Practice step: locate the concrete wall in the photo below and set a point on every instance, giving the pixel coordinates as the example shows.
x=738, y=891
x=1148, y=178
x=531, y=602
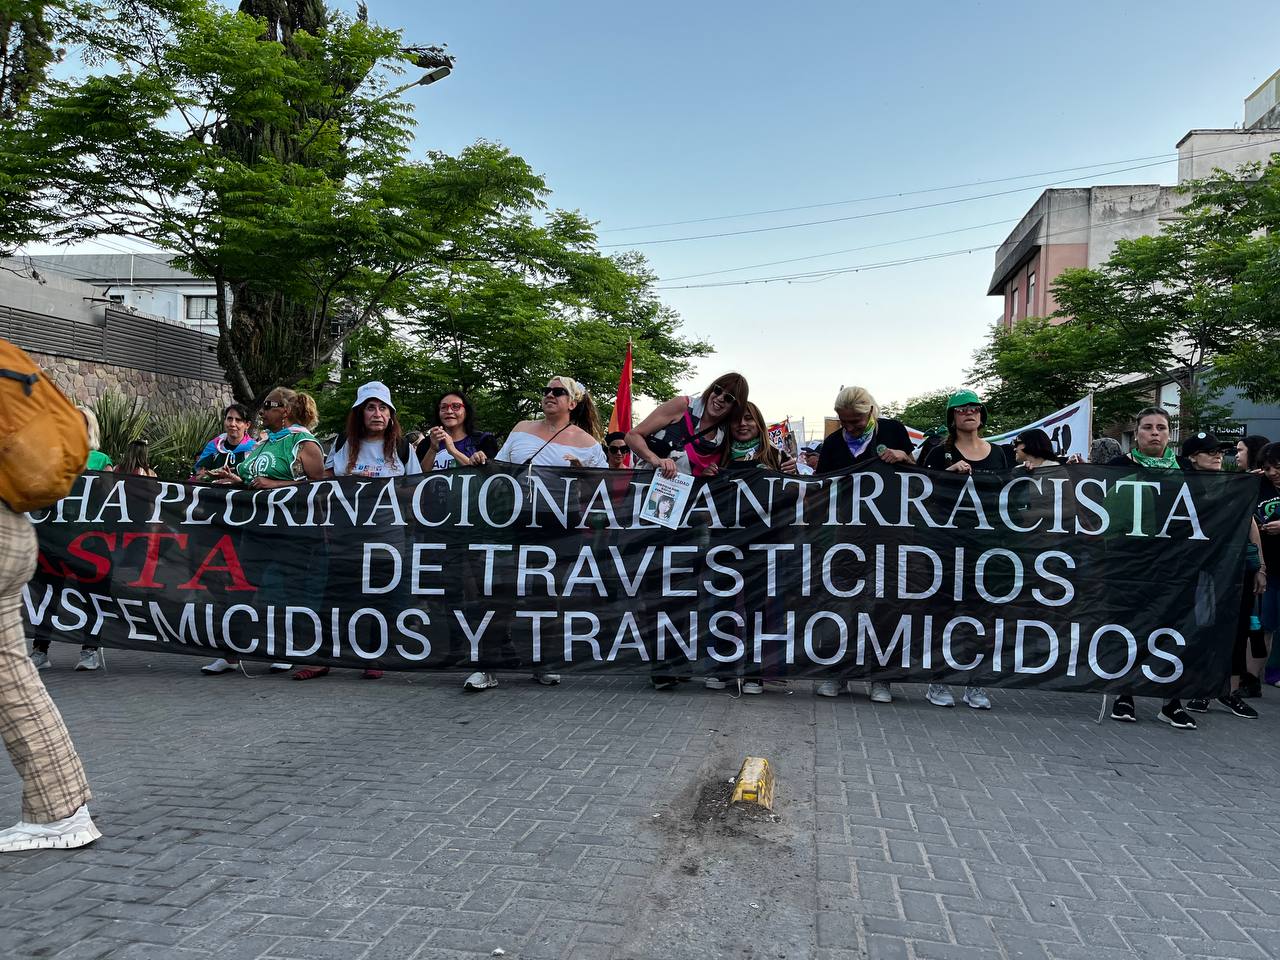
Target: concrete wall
x=1201, y=151
x=1127, y=212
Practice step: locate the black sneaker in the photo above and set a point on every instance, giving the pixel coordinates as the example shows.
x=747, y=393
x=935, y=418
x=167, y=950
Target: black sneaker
x=1250, y=686
x=1198, y=706
x=663, y=683
x=1235, y=703
x=1173, y=714
x=1123, y=710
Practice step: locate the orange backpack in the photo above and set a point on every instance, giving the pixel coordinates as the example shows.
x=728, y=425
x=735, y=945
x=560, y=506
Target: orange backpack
x=43, y=440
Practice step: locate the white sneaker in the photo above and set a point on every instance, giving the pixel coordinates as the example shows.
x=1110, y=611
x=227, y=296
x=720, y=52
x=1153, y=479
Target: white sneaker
x=480, y=681
x=752, y=687
x=547, y=679
x=977, y=698
x=76, y=830
x=827, y=688
x=89, y=660
x=218, y=666
x=40, y=659
x=879, y=692
x=940, y=695
x=281, y=667
x=714, y=683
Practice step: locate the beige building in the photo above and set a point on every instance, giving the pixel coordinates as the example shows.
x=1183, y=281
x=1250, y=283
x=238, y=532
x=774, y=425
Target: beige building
x=1079, y=227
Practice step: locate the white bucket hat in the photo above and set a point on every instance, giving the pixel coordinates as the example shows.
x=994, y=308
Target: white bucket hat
x=373, y=390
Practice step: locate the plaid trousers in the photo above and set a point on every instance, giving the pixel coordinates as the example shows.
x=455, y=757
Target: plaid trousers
x=53, y=781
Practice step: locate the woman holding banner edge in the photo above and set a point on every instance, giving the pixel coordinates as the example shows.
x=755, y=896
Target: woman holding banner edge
x=568, y=435
x=690, y=434
x=1203, y=452
x=290, y=454
x=863, y=436
x=750, y=449
x=1152, y=451
x=965, y=451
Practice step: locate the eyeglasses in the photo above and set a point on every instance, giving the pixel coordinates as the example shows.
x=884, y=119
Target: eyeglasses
x=969, y=408
x=446, y=407
x=618, y=450
x=272, y=404
x=719, y=391
x=555, y=392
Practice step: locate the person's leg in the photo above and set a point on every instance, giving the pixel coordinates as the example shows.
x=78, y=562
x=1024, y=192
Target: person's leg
x=53, y=781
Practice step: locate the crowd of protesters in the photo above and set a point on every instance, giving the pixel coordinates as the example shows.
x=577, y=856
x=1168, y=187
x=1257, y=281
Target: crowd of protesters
x=703, y=435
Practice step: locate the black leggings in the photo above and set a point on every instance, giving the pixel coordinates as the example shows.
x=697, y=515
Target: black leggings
x=1240, y=649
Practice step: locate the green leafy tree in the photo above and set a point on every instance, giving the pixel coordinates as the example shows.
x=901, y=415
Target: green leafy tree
x=923, y=412
x=34, y=36
x=1040, y=366
x=500, y=328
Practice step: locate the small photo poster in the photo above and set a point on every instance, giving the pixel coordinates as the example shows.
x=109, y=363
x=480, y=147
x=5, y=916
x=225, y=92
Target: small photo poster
x=666, y=500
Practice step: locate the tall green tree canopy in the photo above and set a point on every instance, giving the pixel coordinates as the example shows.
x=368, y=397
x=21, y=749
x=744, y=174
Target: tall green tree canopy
x=269, y=148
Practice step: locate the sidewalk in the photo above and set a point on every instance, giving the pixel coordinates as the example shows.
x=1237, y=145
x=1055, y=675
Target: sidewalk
x=401, y=818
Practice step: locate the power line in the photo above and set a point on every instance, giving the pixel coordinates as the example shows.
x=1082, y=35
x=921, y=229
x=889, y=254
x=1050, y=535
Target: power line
x=920, y=206
x=815, y=276
x=889, y=243
x=893, y=196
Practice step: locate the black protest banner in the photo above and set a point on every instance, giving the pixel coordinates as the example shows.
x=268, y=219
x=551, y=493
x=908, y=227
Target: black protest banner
x=1079, y=578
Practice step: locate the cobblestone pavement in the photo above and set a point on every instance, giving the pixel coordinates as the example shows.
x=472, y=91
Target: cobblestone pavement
x=401, y=818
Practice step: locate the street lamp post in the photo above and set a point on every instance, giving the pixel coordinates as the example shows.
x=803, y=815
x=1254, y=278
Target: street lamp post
x=430, y=77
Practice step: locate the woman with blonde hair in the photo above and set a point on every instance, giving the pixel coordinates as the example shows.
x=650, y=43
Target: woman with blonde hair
x=864, y=437
x=567, y=435
x=97, y=459
x=864, y=434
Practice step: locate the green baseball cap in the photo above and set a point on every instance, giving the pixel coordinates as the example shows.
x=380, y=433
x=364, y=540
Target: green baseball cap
x=962, y=398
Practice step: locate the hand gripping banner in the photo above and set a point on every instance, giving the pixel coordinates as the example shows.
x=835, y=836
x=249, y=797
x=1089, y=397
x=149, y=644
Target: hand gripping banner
x=1078, y=578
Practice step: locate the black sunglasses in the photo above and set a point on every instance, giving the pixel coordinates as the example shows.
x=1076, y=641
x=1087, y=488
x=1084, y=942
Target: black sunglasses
x=618, y=450
x=722, y=392
x=555, y=392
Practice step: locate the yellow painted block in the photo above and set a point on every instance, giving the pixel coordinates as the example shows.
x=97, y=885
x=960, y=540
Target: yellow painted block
x=754, y=783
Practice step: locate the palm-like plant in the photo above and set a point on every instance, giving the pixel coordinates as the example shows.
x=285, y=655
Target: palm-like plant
x=121, y=420
x=177, y=437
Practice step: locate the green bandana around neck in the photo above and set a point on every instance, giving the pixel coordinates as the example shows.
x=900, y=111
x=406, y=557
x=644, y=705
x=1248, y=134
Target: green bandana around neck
x=747, y=449
x=1166, y=462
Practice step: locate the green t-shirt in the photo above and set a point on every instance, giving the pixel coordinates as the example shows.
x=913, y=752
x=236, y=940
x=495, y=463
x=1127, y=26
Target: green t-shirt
x=97, y=461
x=276, y=458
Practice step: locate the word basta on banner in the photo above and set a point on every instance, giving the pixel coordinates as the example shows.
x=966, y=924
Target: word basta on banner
x=1072, y=578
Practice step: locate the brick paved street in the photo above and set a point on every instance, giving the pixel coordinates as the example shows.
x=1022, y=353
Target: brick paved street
x=397, y=819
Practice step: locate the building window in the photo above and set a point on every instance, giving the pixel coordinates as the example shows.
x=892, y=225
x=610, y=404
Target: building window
x=202, y=308
x=116, y=297
x=1031, y=293
x=1013, y=306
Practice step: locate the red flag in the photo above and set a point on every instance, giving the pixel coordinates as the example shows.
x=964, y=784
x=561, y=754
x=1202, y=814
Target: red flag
x=620, y=419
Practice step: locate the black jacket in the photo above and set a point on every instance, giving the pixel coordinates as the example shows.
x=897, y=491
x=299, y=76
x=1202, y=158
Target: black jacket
x=835, y=454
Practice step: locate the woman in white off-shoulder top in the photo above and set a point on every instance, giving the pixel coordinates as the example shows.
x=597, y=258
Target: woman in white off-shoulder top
x=568, y=435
